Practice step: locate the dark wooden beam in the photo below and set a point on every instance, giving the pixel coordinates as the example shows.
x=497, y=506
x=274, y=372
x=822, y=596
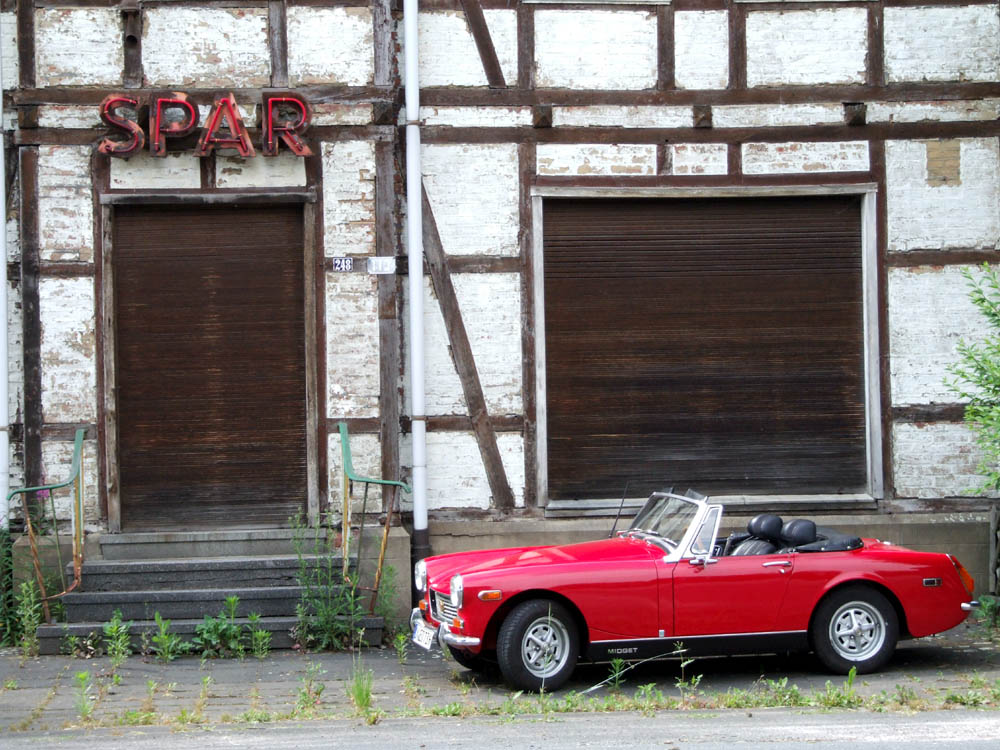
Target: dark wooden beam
x=484, y=43
x=665, y=47
x=277, y=42
x=737, y=47
x=963, y=257
x=529, y=406
x=875, y=61
x=465, y=363
x=26, y=43
x=525, y=48
x=929, y=413
x=31, y=318
x=384, y=41
x=877, y=160
x=390, y=349
x=463, y=423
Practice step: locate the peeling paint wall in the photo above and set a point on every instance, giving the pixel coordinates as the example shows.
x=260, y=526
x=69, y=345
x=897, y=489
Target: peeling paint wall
x=929, y=312
x=926, y=216
x=800, y=47
x=699, y=158
x=68, y=350
x=573, y=49
x=942, y=44
x=352, y=351
x=349, y=198
x=142, y=171
x=283, y=170
x=701, y=51
x=934, y=460
x=626, y=117
x=65, y=203
x=448, y=55
x=366, y=458
x=474, y=192
x=78, y=47
x=582, y=160
x=315, y=55
x=205, y=47
x=783, y=158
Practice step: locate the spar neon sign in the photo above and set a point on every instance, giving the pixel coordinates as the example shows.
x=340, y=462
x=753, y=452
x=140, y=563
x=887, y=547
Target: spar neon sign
x=284, y=119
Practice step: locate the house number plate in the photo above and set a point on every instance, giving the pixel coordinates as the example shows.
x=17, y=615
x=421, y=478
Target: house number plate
x=342, y=264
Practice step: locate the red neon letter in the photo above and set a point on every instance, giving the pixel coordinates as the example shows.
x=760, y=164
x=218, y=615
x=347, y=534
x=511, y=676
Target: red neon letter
x=285, y=131
x=160, y=129
x=225, y=113
x=137, y=138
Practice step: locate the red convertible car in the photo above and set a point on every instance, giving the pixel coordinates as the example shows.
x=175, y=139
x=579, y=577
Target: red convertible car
x=669, y=579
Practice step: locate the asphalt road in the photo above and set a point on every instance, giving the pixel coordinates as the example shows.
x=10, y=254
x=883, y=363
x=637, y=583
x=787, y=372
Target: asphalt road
x=697, y=730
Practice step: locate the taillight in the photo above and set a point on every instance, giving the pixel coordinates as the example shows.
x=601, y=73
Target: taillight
x=967, y=580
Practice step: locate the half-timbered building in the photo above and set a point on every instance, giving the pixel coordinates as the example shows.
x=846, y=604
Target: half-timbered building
x=707, y=243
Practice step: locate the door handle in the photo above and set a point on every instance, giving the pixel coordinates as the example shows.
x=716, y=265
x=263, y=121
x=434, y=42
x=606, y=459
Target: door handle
x=778, y=563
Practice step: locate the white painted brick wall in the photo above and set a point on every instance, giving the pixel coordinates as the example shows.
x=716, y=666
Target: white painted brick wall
x=8, y=49
x=587, y=160
x=777, y=115
x=475, y=117
x=15, y=340
x=283, y=170
x=698, y=158
x=142, y=171
x=65, y=203
x=352, y=345
x=806, y=47
x=68, y=361
x=491, y=310
x=335, y=113
x=783, y=158
x=934, y=460
x=935, y=111
x=625, y=117
x=78, y=47
x=448, y=53
x=456, y=477
x=330, y=46
x=205, y=47
x=929, y=312
x=595, y=49
x=922, y=216
x=366, y=457
x=701, y=49
x=68, y=116
x=943, y=44
x=474, y=190
x=348, y=198
x=57, y=460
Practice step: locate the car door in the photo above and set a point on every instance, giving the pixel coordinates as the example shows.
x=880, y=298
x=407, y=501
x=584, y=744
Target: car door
x=729, y=595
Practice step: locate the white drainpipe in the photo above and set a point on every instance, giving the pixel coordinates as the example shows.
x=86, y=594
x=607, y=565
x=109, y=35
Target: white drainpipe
x=420, y=542
x=4, y=374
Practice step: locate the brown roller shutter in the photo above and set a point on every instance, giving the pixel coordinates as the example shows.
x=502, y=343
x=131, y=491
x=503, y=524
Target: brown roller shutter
x=714, y=343
x=210, y=365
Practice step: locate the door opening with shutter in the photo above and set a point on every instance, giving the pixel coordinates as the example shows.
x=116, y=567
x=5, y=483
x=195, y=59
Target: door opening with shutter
x=209, y=339
x=717, y=343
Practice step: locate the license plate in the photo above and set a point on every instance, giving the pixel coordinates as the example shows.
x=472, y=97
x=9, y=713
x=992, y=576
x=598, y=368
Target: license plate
x=423, y=635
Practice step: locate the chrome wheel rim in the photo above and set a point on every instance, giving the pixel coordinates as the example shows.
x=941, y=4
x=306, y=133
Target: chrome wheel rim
x=545, y=647
x=857, y=631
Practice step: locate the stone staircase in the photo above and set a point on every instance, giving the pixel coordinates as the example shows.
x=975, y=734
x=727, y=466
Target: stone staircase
x=185, y=589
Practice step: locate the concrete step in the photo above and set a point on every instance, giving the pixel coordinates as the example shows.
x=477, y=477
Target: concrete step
x=99, y=606
x=53, y=638
x=158, y=545
x=197, y=573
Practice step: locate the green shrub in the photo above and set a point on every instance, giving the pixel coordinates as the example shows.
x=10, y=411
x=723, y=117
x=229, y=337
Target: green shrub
x=220, y=636
x=977, y=375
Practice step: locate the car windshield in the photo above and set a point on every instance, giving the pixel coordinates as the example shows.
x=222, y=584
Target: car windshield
x=664, y=516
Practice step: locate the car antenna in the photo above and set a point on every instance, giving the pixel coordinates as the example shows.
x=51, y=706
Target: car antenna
x=622, y=505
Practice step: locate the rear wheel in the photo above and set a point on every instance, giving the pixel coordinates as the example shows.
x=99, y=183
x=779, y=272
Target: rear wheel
x=538, y=646
x=855, y=627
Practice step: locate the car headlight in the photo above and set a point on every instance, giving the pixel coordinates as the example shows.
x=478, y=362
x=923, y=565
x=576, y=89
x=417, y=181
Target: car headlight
x=420, y=576
x=457, y=591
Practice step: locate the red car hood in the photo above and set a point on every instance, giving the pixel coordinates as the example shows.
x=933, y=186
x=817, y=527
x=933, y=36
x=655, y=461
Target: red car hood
x=441, y=568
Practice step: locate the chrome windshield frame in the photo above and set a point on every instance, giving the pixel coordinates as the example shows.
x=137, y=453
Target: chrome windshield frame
x=682, y=550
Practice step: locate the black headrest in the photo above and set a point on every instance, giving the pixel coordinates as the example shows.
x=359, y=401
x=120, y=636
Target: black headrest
x=798, y=531
x=765, y=526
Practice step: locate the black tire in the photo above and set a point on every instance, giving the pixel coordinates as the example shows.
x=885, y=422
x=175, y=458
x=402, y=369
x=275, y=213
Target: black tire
x=854, y=627
x=538, y=646
x=474, y=662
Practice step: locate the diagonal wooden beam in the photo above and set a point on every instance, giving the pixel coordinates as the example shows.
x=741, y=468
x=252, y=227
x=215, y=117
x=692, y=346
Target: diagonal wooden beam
x=465, y=363
x=484, y=43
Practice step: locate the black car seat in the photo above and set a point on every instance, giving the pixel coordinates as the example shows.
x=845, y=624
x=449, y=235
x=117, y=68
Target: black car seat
x=798, y=532
x=765, y=536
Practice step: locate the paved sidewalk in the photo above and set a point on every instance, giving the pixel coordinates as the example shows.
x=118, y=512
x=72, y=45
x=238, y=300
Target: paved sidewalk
x=43, y=694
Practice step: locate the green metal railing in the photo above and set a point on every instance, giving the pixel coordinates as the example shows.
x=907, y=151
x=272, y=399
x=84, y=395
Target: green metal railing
x=351, y=476
x=76, y=480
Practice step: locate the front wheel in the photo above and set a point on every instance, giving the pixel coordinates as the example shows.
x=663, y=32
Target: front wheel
x=538, y=645
x=855, y=627
x=474, y=662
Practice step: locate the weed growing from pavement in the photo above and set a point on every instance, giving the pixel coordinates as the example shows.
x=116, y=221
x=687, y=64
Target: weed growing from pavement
x=401, y=642
x=84, y=700
x=260, y=639
x=307, y=700
x=167, y=646
x=29, y=617
x=117, y=640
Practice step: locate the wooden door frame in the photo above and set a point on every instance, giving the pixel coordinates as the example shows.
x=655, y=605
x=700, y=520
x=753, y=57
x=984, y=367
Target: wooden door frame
x=871, y=321
x=106, y=357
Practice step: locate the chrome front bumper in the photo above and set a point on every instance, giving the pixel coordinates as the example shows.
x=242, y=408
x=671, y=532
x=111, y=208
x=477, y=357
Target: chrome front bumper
x=445, y=636
x=970, y=606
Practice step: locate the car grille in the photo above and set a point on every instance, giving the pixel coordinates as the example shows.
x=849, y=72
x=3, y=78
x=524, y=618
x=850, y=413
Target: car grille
x=441, y=607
